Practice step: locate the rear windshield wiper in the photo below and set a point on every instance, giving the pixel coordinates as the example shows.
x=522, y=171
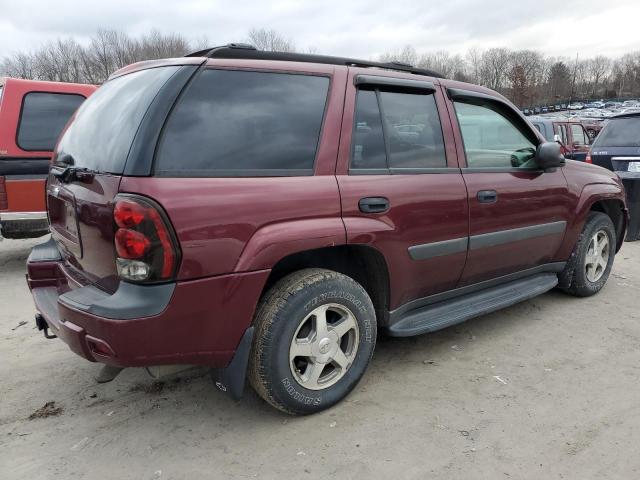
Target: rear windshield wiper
x=69, y=174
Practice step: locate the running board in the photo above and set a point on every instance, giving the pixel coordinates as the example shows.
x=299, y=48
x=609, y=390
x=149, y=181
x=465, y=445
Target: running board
x=457, y=310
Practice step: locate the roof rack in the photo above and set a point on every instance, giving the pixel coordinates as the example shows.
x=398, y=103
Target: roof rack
x=245, y=51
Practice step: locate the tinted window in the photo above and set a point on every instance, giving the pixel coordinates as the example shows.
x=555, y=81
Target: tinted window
x=413, y=130
x=620, y=132
x=492, y=140
x=43, y=117
x=245, y=123
x=368, y=149
x=104, y=127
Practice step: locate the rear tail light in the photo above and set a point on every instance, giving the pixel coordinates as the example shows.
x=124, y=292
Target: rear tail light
x=144, y=241
x=587, y=159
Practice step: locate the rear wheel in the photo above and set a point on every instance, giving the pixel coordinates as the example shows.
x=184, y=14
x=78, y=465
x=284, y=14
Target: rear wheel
x=592, y=258
x=315, y=335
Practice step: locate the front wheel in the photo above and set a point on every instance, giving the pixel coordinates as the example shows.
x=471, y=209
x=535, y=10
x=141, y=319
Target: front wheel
x=592, y=258
x=315, y=335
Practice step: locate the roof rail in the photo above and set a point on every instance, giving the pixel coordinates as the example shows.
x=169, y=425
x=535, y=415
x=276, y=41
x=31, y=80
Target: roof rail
x=249, y=52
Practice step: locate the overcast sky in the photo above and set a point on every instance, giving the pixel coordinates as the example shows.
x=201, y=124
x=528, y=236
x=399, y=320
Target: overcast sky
x=363, y=28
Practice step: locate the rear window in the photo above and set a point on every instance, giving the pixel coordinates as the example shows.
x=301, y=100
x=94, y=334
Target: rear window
x=244, y=123
x=620, y=132
x=100, y=136
x=42, y=118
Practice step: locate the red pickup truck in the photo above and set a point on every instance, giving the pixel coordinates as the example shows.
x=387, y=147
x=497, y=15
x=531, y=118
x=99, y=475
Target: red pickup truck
x=32, y=116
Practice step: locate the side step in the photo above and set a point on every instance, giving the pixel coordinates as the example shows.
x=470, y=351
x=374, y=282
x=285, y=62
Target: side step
x=457, y=310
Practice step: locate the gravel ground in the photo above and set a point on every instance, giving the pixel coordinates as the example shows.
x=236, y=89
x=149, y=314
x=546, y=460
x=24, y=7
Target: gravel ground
x=546, y=389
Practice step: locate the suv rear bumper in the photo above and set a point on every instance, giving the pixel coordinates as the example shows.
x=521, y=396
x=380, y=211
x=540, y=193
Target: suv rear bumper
x=23, y=224
x=198, y=322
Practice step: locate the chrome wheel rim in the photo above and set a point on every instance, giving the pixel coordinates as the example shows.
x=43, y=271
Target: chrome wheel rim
x=597, y=256
x=324, y=346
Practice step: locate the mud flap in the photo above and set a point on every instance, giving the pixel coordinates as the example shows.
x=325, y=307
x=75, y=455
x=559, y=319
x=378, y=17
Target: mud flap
x=232, y=378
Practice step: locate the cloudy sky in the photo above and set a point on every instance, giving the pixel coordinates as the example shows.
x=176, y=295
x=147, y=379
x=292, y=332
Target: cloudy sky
x=363, y=28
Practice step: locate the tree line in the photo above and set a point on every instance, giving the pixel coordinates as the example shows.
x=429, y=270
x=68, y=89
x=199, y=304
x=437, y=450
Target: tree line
x=527, y=77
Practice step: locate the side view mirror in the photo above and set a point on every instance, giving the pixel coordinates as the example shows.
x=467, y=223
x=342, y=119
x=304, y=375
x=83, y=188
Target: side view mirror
x=549, y=156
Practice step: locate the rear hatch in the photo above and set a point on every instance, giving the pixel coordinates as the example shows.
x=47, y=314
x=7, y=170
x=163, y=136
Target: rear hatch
x=88, y=164
x=617, y=147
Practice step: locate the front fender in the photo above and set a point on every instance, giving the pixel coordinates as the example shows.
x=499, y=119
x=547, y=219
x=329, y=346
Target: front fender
x=590, y=194
x=273, y=242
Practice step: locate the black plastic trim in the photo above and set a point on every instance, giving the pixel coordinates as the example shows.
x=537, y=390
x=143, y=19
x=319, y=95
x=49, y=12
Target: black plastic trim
x=24, y=166
x=45, y=252
x=141, y=154
x=128, y=302
x=275, y=172
x=453, y=311
x=403, y=171
x=392, y=82
x=232, y=378
x=537, y=171
x=438, y=249
x=248, y=52
x=501, y=237
x=394, y=315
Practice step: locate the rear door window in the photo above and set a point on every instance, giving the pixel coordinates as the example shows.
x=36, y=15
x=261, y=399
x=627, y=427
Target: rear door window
x=42, y=118
x=579, y=135
x=397, y=132
x=244, y=123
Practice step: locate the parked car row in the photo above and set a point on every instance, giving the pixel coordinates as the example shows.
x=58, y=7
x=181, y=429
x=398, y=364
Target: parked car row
x=570, y=134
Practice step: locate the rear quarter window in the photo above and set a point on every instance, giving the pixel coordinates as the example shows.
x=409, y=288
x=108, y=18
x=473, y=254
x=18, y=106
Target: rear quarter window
x=43, y=117
x=244, y=123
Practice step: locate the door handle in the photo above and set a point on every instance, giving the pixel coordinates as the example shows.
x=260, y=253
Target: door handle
x=487, y=196
x=373, y=204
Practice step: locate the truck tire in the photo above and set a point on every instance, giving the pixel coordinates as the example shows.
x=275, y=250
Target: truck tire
x=315, y=335
x=590, y=263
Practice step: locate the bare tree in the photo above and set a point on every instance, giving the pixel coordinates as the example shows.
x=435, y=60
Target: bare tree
x=407, y=55
x=270, y=40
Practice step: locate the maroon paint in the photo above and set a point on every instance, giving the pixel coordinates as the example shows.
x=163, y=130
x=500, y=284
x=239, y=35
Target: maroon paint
x=86, y=235
x=232, y=232
x=424, y=208
x=202, y=324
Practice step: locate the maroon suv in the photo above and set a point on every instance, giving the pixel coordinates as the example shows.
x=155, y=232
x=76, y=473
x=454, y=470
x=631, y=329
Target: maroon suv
x=268, y=214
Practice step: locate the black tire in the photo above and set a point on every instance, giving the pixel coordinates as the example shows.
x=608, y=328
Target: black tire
x=278, y=319
x=573, y=280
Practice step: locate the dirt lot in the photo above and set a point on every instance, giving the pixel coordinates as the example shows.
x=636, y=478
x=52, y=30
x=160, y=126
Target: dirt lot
x=546, y=389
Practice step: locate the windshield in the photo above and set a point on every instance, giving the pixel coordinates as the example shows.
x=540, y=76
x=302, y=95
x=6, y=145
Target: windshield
x=101, y=134
x=620, y=132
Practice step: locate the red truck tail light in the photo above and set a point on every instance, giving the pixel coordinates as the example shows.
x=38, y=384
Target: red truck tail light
x=587, y=159
x=144, y=241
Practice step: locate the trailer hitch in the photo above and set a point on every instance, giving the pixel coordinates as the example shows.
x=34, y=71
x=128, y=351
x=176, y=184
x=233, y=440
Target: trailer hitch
x=41, y=323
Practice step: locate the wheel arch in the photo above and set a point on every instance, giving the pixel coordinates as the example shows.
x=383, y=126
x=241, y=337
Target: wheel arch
x=616, y=211
x=365, y=264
